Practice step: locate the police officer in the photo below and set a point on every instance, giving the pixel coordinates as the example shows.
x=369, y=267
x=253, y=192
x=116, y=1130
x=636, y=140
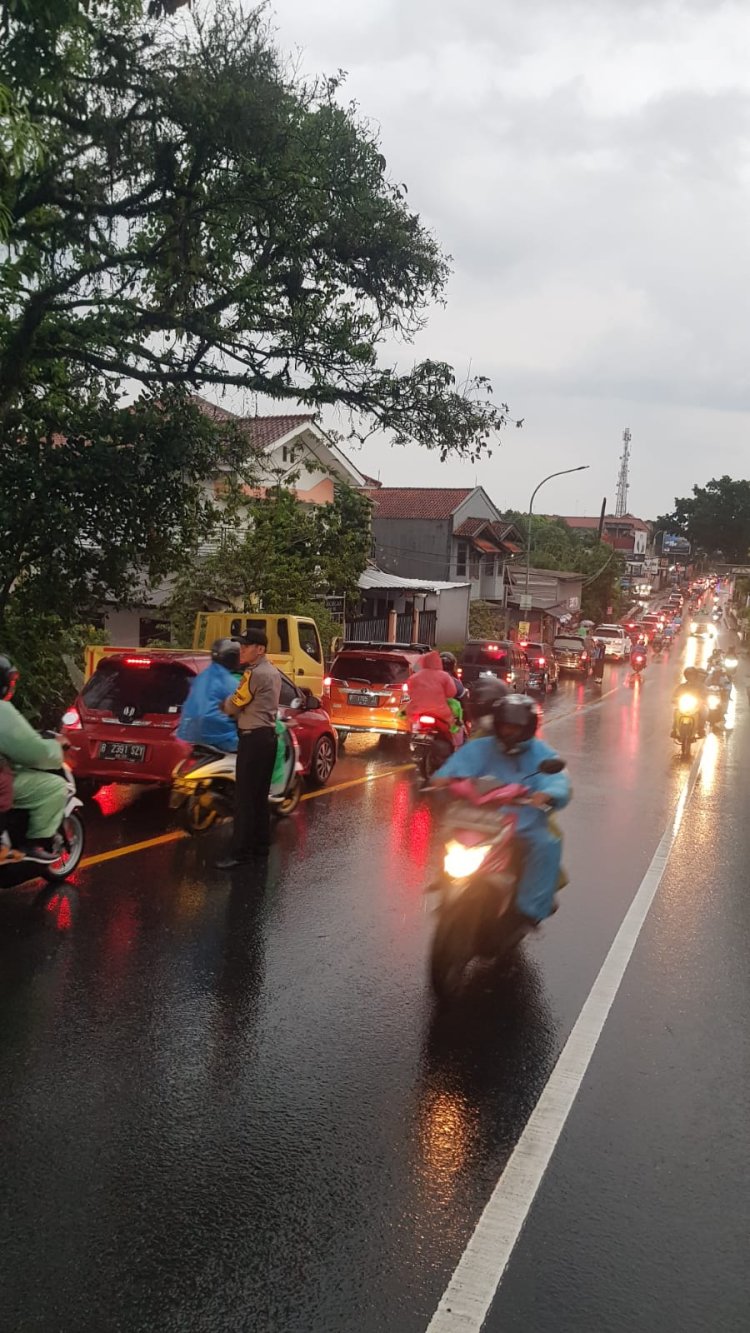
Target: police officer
x=253, y=704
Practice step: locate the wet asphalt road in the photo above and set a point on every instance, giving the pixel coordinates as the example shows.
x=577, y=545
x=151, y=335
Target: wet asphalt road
x=230, y=1105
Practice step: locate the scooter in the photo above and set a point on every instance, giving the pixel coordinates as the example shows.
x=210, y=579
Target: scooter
x=474, y=898
x=203, y=784
x=431, y=744
x=68, y=843
x=687, y=721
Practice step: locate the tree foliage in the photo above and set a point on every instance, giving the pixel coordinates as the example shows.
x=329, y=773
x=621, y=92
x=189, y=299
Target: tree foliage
x=556, y=546
x=201, y=215
x=281, y=556
x=715, y=519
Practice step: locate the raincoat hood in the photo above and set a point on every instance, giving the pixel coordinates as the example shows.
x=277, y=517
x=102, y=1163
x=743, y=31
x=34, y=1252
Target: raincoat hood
x=431, y=662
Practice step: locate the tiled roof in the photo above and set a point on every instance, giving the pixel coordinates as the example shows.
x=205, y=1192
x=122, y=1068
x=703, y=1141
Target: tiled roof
x=263, y=431
x=417, y=501
x=470, y=526
x=626, y=520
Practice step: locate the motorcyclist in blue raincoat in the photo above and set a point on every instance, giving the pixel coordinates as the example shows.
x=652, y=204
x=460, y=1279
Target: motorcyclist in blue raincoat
x=514, y=754
x=203, y=722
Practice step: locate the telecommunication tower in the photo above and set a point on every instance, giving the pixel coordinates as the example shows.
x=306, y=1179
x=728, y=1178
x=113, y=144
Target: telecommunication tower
x=623, y=476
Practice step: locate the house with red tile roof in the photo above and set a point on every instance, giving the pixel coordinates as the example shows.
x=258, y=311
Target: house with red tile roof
x=288, y=449
x=451, y=534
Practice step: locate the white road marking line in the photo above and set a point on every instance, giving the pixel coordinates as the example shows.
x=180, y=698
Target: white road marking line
x=471, y=1290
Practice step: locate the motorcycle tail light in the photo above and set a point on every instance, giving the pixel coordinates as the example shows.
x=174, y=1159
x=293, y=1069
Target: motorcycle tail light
x=462, y=862
x=427, y=721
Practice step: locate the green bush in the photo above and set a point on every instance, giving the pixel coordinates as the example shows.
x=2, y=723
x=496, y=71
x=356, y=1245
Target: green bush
x=38, y=645
x=486, y=621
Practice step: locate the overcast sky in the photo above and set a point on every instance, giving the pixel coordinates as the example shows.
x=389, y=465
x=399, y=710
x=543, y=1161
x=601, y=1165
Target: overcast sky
x=587, y=165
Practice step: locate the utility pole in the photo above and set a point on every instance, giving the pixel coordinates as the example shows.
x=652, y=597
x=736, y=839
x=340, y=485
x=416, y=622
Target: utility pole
x=623, y=477
x=601, y=519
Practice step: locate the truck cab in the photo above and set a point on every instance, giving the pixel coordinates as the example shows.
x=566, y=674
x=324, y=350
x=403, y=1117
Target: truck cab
x=293, y=641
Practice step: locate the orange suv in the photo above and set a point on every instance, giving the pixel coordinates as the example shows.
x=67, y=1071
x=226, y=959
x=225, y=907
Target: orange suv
x=366, y=687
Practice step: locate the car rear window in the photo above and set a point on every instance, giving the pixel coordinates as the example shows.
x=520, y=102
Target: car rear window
x=606, y=633
x=375, y=670
x=478, y=654
x=535, y=649
x=160, y=687
x=572, y=642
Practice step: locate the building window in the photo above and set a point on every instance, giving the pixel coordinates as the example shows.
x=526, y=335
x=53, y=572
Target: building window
x=287, y=453
x=461, y=560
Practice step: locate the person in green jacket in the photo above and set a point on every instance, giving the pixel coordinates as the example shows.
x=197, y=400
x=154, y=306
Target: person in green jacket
x=38, y=790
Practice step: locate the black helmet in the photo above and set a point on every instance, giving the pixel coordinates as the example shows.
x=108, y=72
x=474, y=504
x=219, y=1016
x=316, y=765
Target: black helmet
x=450, y=663
x=516, y=720
x=227, y=653
x=8, y=677
x=485, y=695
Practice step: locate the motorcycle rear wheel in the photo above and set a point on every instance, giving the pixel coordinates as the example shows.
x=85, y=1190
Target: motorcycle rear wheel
x=290, y=802
x=201, y=812
x=74, y=837
x=686, y=745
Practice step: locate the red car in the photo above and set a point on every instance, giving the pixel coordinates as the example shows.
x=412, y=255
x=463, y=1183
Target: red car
x=122, y=726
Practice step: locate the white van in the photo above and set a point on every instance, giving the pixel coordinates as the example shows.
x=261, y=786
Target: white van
x=617, y=645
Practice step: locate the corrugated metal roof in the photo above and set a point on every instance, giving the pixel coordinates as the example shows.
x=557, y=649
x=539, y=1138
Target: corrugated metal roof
x=378, y=578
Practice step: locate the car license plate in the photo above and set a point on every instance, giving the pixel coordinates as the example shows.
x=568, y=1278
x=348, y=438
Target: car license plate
x=364, y=700
x=122, y=750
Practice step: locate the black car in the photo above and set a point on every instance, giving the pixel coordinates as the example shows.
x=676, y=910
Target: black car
x=543, y=670
x=495, y=657
x=574, y=655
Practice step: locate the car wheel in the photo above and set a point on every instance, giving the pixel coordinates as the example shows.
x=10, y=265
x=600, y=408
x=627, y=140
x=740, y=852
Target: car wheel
x=323, y=760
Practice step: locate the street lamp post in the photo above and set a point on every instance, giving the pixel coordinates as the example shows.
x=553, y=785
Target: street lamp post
x=583, y=468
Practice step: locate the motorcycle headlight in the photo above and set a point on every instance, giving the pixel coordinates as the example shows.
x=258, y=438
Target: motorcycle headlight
x=731, y=663
x=688, y=703
x=714, y=700
x=462, y=862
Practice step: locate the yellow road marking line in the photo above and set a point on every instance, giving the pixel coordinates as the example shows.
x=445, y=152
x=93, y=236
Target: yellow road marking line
x=177, y=835
x=356, y=782
x=131, y=847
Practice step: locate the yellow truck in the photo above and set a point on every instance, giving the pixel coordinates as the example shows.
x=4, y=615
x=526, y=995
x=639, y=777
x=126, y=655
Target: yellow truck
x=293, y=643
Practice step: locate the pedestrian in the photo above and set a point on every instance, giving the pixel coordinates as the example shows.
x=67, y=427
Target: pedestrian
x=254, y=705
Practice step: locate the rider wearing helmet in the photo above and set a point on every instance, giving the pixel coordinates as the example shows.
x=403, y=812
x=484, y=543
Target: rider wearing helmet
x=203, y=721
x=37, y=788
x=485, y=693
x=513, y=755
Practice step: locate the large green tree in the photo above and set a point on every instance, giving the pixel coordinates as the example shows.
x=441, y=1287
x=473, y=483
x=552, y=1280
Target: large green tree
x=715, y=519
x=201, y=215
x=556, y=546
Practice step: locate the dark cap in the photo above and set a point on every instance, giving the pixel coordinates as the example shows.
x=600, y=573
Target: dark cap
x=258, y=636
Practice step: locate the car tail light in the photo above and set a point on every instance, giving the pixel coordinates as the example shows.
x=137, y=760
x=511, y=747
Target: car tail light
x=584, y=656
x=138, y=661
x=72, y=719
x=459, y=672
x=542, y=661
x=327, y=684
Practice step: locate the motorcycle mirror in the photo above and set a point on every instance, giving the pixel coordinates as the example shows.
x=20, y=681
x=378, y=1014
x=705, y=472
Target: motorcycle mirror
x=552, y=766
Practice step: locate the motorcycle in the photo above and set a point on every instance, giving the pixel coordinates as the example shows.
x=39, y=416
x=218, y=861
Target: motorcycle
x=474, y=898
x=68, y=843
x=203, y=785
x=717, y=707
x=638, y=663
x=431, y=744
x=688, y=713
x=731, y=662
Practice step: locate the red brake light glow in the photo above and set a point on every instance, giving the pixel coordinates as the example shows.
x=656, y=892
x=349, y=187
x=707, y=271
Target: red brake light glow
x=542, y=661
x=72, y=719
x=584, y=656
x=327, y=684
x=426, y=720
x=138, y=661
